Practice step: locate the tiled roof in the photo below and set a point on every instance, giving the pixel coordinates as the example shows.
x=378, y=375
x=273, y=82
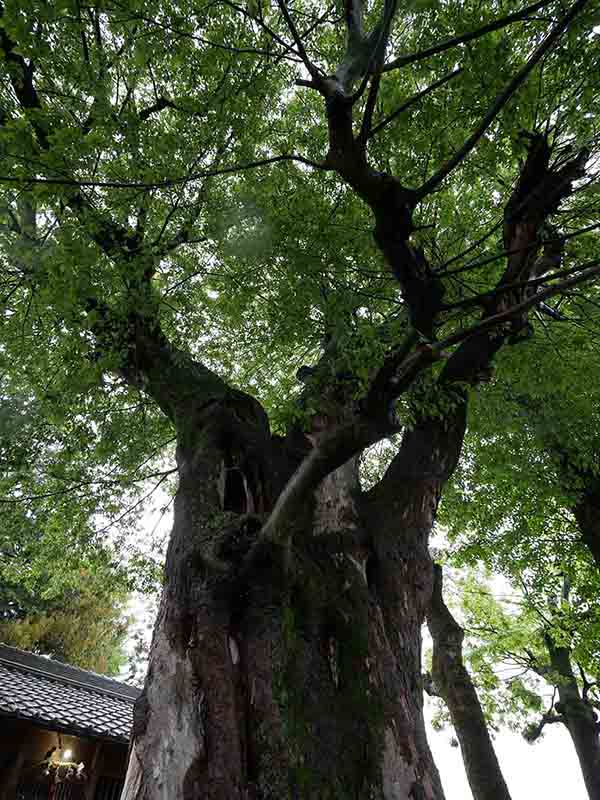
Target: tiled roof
x=61, y=697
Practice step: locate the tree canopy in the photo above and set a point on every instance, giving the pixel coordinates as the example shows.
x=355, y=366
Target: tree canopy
x=133, y=143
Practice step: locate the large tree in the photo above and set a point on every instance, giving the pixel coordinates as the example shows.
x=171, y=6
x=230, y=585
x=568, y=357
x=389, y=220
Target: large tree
x=281, y=234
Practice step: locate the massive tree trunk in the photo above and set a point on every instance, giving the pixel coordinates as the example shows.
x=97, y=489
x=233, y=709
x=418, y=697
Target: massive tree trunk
x=286, y=661
x=452, y=682
x=297, y=676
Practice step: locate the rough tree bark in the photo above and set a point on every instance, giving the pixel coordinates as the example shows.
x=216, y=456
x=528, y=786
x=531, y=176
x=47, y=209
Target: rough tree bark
x=297, y=673
x=577, y=715
x=452, y=682
x=296, y=676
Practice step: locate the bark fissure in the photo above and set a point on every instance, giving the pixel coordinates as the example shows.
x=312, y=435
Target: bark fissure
x=291, y=679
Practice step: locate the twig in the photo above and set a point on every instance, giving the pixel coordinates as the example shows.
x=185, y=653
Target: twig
x=312, y=69
x=412, y=100
x=403, y=61
x=500, y=101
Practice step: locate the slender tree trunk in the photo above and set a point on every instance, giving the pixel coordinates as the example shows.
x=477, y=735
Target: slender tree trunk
x=578, y=716
x=453, y=684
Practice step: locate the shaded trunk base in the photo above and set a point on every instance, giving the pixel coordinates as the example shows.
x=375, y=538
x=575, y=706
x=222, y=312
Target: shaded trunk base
x=288, y=692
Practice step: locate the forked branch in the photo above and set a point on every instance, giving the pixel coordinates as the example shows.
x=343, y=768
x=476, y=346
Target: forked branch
x=313, y=70
x=365, y=53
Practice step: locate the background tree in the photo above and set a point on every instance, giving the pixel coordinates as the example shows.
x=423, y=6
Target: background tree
x=89, y=632
x=522, y=502
x=159, y=284
x=534, y=659
x=450, y=680
x=529, y=514
x=66, y=577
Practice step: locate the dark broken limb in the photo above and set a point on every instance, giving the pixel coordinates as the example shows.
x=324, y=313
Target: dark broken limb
x=533, y=732
x=453, y=684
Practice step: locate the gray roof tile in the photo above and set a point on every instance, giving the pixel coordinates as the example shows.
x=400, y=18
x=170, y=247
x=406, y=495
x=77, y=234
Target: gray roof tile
x=62, y=697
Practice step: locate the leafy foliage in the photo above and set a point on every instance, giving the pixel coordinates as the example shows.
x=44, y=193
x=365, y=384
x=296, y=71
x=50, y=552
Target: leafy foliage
x=506, y=650
x=89, y=631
